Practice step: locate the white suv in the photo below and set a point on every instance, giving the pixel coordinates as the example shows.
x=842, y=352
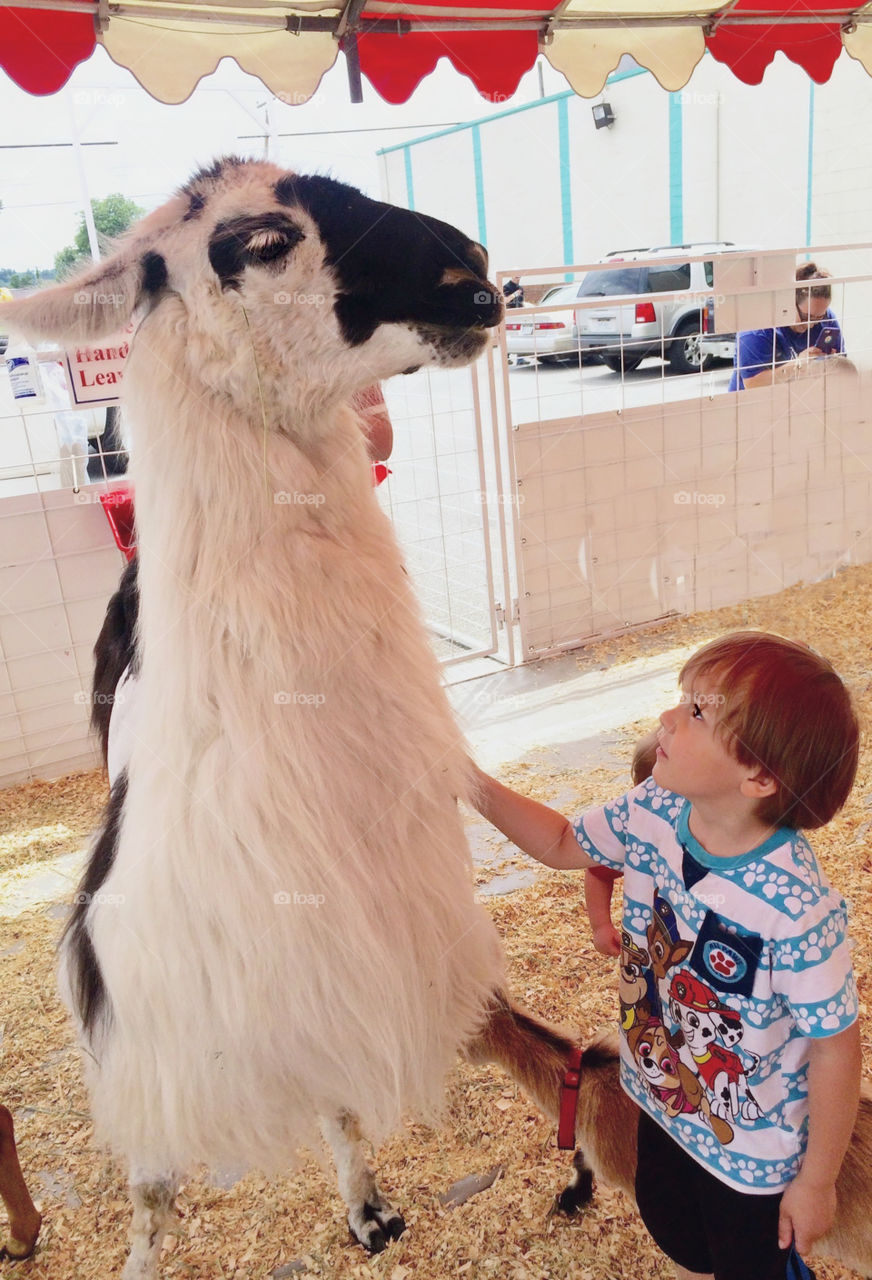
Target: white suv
x=668, y=327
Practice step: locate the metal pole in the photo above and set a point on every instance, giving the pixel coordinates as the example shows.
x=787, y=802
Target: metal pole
x=83, y=177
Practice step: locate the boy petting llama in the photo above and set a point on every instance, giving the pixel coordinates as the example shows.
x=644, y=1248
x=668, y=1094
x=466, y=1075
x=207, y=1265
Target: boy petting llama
x=742, y=982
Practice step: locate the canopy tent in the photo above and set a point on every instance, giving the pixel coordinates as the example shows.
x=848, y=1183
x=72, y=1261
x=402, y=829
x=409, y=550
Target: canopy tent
x=169, y=45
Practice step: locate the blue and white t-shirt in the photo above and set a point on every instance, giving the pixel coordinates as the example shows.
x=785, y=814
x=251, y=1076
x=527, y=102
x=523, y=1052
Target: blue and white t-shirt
x=759, y=349
x=729, y=966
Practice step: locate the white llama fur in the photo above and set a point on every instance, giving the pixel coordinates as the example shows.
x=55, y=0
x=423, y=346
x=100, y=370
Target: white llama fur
x=236, y=1018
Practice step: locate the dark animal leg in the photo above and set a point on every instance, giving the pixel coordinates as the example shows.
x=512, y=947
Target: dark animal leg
x=24, y=1219
x=579, y=1190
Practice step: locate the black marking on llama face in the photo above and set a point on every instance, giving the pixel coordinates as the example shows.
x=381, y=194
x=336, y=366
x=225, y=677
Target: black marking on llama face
x=263, y=239
x=86, y=977
x=196, y=206
x=390, y=263
x=154, y=272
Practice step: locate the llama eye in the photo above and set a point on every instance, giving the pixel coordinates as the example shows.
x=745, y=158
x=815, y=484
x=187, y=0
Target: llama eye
x=255, y=241
x=269, y=244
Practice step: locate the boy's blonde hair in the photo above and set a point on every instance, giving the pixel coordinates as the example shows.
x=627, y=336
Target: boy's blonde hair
x=786, y=710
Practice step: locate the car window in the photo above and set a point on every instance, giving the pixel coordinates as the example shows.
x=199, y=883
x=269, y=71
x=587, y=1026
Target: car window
x=709, y=273
x=617, y=280
x=669, y=279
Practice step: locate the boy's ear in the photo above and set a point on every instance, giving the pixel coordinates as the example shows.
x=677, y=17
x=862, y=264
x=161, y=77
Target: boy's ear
x=94, y=304
x=758, y=785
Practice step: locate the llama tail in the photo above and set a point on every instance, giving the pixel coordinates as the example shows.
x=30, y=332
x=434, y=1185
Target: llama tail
x=535, y=1054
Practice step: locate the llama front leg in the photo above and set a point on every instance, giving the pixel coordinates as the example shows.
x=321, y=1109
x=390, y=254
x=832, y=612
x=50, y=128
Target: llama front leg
x=373, y=1221
x=152, y=1196
x=579, y=1190
x=24, y=1218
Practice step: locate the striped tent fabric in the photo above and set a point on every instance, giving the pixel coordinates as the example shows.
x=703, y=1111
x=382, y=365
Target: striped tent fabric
x=169, y=45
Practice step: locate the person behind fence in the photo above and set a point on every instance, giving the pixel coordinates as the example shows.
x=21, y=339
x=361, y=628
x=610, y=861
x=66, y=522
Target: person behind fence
x=764, y=356
x=739, y=1035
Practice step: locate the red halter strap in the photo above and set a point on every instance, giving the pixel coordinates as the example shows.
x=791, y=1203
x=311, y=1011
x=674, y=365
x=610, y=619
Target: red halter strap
x=569, y=1102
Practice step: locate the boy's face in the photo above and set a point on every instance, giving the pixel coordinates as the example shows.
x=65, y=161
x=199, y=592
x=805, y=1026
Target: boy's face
x=692, y=758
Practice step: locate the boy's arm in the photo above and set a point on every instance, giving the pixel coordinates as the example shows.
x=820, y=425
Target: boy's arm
x=809, y=1203
x=541, y=832
x=598, y=885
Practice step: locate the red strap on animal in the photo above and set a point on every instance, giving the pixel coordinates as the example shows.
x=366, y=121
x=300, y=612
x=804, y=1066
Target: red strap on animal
x=569, y=1102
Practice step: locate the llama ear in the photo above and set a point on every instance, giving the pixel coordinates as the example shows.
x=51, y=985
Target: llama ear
x=98, y=302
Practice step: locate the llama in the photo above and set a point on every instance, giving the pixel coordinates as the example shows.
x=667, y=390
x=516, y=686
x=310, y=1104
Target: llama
x=276, y=932
x=607, y=1118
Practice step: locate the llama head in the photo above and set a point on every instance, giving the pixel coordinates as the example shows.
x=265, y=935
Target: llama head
x=304, y=276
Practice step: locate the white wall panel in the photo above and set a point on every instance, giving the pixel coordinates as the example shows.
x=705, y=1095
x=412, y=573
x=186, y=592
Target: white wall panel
x=521, y=167
x=443, y=180
x=681, y=508
x=60, y=565
x=620, y=175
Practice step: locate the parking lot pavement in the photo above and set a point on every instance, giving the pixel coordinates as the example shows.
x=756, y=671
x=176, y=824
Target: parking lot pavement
x=540, y=392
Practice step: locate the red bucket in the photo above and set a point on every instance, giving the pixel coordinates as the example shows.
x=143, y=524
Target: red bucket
x=118, y=506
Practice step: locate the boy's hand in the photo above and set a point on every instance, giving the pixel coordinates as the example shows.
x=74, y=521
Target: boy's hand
x=606, y=940
x=807, y=1213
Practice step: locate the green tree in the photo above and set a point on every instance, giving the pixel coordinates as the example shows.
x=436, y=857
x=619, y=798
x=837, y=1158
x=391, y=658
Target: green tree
x=22, y=280
x=112, y=215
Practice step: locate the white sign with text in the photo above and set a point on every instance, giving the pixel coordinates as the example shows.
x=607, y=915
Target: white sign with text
x=94, y=371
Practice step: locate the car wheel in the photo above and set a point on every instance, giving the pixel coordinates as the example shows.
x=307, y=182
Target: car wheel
x=626, y=363
x=685, y=350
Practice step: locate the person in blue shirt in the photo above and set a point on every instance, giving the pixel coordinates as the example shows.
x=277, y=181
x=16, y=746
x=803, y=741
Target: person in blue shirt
x=764, y=356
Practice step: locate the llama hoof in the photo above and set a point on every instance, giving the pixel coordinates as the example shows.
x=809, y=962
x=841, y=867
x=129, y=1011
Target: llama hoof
x=579, y=1190
x=17, y=1248
x=374, y=1228
x=568, y=1202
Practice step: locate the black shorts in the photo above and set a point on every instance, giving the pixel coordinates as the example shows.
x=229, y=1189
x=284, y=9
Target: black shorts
x=698, y=1221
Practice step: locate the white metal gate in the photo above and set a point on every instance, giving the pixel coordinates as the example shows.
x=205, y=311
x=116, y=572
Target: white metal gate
x=444, y=496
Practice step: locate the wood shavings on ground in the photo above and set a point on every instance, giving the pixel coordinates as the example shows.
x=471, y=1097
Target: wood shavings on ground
x=296, y=1225
x=41, y=820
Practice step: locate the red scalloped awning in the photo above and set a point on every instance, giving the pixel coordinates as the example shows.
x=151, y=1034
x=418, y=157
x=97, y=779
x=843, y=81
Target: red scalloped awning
x=169, y=45
x=493, y=60
x=40, y=48
x=748, y=50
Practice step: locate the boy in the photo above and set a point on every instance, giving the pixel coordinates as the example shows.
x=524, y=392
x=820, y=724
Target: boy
x=740, y=951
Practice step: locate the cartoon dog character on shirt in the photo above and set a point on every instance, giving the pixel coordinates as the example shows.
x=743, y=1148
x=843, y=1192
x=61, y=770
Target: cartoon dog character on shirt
x=699, y=1013
x=636, y=989
x=672, y=1085
x=666, y=948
